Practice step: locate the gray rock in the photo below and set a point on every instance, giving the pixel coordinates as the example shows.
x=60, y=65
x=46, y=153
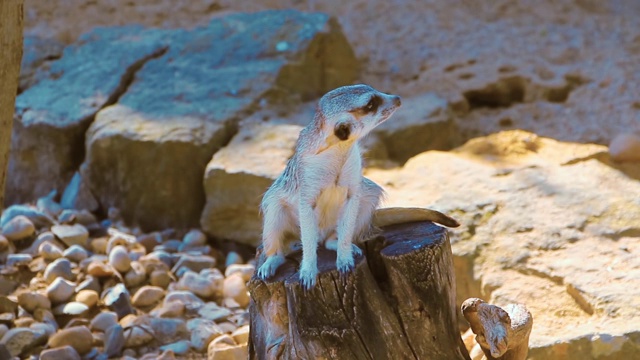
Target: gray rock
x=78, y=196
x=147, y=296
x=18, y=228
x=316, y=58
x=65, y=352
x=114, y=340
x=194, y=263
x=36, y=216
x=52, y=116
x=207, y=287
x=203, y=331
x=60, y=290
x=185, y=297
x=76, y=253
x=234, y=183
x=168, y=330
x=118, y=300
x=179, y=348
x=103, y=321
x=71, y=234
x=194, y=237
x=18, y=340
x=90, y=283
x=45, y=236
x=58, y=268
x=136, y=336
x=119, y=259
x=214, y=312
x=48, y=205
x=14, y=260
x=38, y=53
x=49, y=251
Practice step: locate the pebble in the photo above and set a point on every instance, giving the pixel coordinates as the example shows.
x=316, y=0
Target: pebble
x=15, y=260
x=4, y=243
x=160, y=278
x=89, y=283
x=224, y=348
x=203, y=331
x=42, y=237
x=100, y=269
x=246, y=270
x=138, y=335
x=50, y=251
x=147, y=296
x=179, y=348
x=194, y=263
x=171, y=309
x=18, y=228
x=44, y=328
x=88, y=297
x=119, y=259
x=99, y=245
x=103, y=321
x=241, y=335
x=74, y=308
x=184, y=297
x=20, y=339
x=136, y=276
x=71, y=234
x=36, y=216
x=233, y=258
x=117, y=299
x=60, y=290
x=149, y=241
x=625, y=147
x=235, y=288
x=76, y=253
x=204, y=286
x=47, y=205
x=114, y=340
x=30, y=301
x=59, y=268
x=214, y=312
x=78, y=337
x=65, y=352
x=194, y=237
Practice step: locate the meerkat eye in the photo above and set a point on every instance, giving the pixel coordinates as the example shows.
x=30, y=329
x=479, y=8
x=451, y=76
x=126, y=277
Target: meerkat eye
x=373, y=104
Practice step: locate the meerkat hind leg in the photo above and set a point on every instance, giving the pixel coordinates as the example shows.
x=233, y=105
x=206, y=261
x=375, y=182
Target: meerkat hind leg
x=332, y=244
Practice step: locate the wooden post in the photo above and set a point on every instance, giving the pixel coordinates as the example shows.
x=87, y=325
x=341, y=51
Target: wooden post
x=398, y=303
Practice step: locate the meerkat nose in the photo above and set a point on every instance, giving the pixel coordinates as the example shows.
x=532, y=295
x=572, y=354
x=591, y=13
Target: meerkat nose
x=397, y=101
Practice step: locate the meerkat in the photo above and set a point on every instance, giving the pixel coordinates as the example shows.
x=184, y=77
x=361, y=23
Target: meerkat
x=322, y=196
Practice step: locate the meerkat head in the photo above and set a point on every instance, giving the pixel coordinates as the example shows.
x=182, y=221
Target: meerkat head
x=350, y=112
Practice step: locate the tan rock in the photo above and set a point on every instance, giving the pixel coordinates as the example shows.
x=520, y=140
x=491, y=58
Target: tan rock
x=78, y=337
x=241, y=335
x=222, y=351
x=18, y=228
x=625, y=147
x=147, y=296
x=235, y=288
x=88, y=297
x=71, y=234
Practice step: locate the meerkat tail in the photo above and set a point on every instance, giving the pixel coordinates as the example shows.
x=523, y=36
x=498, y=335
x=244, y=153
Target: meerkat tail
x=399, y=215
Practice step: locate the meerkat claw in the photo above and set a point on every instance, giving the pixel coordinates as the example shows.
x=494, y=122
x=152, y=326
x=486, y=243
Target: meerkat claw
x=270, y=265
x=308, y=281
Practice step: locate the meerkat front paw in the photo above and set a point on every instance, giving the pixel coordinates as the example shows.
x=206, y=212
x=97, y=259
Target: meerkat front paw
x=344, y=261
x=308, y=275
x=270, y=265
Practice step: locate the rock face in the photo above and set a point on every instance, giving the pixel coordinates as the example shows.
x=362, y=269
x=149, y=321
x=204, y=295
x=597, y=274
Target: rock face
x=234, y=182
x=182, y=107
x=47, y=144
x=548, y=224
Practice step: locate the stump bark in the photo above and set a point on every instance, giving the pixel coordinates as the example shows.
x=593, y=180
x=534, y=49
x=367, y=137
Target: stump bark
x=398, y=303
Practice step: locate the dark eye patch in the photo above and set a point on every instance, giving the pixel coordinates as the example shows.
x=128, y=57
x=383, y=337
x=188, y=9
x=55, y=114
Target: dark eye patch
x=373, y=104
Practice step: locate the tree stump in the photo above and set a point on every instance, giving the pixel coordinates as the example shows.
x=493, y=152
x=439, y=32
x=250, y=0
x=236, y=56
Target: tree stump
x=398, y=303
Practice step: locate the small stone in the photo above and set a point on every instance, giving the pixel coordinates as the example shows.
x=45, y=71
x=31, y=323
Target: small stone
x=136, y=276
x=18, y=228
x=100, y=269
x=194, y=263
x=149, y=241
x=37, y=217
x=625, y=147
x=246, y=270
x=160, y=278
x=224, y=339
x=47, y=329
x=20, y=339
x=222, y=350
x=204, y=286
x=47, y=205
x=4, y=243
x=114, y=340
x=30, y=301
x=168, y=330
x=8, y=318
x=88, y=297
x=214, y=312
x=227, y=327
x=71, y=234
x=90, y=283
x=235, y=288
x=45, y=316
x=103, y=321
x=171, y=309
x=65, y=352
x=179, y=348
x=117, y=299
x=185, y=297
x=74, y=308
x=119, y=259
x=59, y=268
x=202, y=333
x=138, y=335
x=147, y=296
x=78, y=337
x=195, y=237
x=232, y=259
x=60, y=290
x=46, y=236
x=99, y=245
x=3, y=330
x=241, y=335
x=76, y=253
x=8, y=305
x=16, y=260
x=50, y=251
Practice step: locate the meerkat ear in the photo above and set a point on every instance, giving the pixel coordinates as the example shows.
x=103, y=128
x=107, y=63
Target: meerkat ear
x=342, y=131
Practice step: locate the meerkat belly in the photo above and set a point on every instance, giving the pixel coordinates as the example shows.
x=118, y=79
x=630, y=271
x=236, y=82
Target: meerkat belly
x=328, y=206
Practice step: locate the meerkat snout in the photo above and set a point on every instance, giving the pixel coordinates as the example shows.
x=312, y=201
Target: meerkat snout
x=342, y=131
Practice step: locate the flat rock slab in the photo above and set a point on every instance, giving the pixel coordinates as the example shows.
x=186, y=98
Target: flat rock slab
x=147, y=155
x=549, y=224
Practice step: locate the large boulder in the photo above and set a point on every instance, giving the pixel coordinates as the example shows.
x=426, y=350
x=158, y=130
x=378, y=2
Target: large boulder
x=147, y=154
x=549, y=224
x=47, y=144
x=237, y=177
